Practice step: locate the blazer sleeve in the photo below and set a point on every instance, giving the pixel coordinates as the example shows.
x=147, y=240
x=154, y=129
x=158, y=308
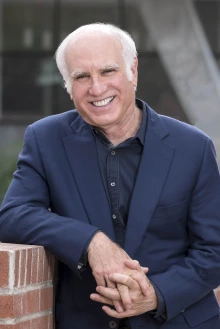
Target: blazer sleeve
x=198, y=273
x=25, y=216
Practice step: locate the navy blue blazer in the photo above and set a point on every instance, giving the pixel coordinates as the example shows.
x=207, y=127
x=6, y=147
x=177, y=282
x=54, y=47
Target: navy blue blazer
x=173, y=225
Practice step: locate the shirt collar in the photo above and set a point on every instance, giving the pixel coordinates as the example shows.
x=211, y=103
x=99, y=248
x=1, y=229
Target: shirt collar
x=141, y=130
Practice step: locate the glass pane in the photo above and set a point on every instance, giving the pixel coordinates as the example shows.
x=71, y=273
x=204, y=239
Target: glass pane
x=28, y=84
x=75, y=13
x=26, y=25
x=154, y=87
x=209, y=14
x=135, y=25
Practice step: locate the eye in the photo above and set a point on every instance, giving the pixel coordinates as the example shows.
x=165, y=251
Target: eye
x=106, y=71
x=81, y=76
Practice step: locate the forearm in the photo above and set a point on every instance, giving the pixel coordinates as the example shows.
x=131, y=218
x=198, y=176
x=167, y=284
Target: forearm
x=65, y=237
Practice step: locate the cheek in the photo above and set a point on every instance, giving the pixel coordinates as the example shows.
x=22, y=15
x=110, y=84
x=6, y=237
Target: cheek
x=78, y=94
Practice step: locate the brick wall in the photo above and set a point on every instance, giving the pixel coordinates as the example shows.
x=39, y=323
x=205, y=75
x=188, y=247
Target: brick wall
x=217, y=293
x=26, y=291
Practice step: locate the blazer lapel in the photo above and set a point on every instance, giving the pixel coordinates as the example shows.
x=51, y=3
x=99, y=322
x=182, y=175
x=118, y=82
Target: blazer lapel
x=154, y=166
x=82, y=156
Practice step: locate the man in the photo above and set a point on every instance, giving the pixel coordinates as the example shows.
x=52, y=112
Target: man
x=127, y=190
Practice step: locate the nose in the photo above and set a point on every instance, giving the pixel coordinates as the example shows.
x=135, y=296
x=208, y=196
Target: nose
x=97, y=87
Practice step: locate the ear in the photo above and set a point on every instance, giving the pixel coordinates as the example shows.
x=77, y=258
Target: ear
x=134, y=70
x=71, y=97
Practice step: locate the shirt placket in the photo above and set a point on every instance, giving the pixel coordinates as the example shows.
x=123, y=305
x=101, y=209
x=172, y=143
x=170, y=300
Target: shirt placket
x=113, y=183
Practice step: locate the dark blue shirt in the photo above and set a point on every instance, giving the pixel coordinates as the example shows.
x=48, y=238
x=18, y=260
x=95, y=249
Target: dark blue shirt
x=119, y=167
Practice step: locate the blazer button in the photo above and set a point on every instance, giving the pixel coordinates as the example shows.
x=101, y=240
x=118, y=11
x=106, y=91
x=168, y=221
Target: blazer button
x=112, y=324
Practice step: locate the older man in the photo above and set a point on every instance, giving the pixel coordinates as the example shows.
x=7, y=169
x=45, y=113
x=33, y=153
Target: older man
x=122, y=183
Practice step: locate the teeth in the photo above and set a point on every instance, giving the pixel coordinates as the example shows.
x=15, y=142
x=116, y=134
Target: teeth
x=103, y=102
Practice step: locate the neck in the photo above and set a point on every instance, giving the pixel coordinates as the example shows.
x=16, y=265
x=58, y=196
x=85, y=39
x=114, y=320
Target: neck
x=118, y=134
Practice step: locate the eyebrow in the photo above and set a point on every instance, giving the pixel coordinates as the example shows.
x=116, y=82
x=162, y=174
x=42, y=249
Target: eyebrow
x=78, y=72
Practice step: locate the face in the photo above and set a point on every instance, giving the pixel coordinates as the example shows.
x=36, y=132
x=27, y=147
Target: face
x=101, y=91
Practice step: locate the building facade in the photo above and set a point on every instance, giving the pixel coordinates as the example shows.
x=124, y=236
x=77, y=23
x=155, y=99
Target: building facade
x=31, y=30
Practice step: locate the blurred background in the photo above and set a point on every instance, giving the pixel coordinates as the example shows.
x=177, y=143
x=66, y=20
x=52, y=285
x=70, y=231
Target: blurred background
x=178, y=42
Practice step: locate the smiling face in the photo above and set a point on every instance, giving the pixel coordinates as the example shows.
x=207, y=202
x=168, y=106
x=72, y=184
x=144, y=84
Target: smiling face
x=101, y=91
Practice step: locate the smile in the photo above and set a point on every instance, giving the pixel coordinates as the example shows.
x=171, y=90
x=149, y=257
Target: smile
x=103, y=102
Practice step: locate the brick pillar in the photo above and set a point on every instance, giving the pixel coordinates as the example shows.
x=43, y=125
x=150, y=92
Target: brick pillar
x=26, y=290
x=217, y=294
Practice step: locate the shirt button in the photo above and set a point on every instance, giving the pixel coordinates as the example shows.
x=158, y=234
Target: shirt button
x=112, y=324
x=114, y=216
x=113, y=184
x=112, y=152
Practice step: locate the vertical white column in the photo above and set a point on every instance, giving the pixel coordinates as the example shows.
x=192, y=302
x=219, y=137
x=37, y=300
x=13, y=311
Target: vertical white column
x=186, y=55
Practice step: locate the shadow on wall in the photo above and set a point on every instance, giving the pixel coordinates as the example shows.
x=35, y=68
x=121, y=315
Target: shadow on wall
x=8, y=162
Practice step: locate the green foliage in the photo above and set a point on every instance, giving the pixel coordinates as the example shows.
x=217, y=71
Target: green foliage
x=8, y=162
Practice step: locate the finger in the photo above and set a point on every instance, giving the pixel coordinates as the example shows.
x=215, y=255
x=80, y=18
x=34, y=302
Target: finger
x=125, y=296
x=119, y=307
x=145, y=269
x=100, y=299
x=115, y=314
x=143, y=282
x=110, y=293
x=135, y=265
x=117, y=304
x=124, y=280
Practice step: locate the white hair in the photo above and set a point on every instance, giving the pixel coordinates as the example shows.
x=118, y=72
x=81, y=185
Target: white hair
x=129, y=51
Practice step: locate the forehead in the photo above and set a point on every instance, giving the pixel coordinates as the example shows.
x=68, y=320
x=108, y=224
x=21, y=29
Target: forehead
x=93, y=49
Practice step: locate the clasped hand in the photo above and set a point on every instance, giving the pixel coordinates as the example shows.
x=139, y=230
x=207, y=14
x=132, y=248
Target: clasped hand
x=121, y=281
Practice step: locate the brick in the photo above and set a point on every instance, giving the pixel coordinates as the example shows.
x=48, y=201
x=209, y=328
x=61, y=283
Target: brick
x=46, y=299
x=40, y=323
x=27, y=296
x=35, y=266
x=46, y=265
x=6, y=307
x=4, y=269
x=31, y=302
x=16, y=269
x=217, y=293
x=41, y=265
x=29, y=263
x=22, y=268
x=10, y=306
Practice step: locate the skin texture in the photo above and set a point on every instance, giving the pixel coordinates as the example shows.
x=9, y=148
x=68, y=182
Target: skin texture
x=105, y=258
x=97, y=70
x=140, y=303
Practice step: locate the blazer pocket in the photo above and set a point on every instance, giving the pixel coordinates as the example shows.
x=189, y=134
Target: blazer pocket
x=171, y=211
x=202, y=311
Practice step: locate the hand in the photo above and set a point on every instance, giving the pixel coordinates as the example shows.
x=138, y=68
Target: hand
x=105, y=257
x=140, y=302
